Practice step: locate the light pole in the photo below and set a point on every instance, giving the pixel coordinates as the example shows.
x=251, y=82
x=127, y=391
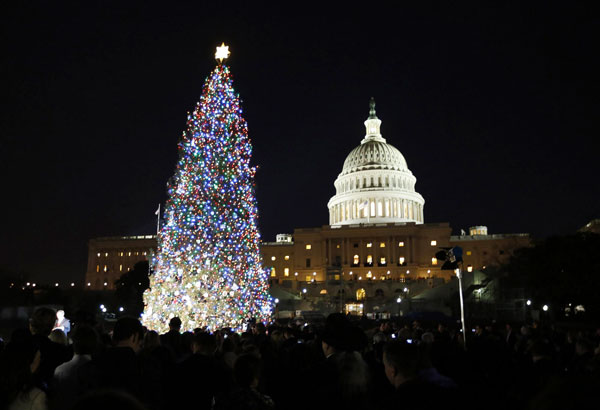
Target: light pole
x=462, y=306
x=453, y=261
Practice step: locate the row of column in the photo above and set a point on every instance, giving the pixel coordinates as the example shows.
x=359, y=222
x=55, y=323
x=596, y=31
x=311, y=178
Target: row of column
x=375, y=181
x=363, y=208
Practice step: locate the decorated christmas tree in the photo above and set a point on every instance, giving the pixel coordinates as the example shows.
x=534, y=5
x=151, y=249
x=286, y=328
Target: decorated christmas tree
x=208, y=268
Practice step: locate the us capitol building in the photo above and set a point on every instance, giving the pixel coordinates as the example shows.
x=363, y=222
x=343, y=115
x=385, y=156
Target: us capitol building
x=377, y=246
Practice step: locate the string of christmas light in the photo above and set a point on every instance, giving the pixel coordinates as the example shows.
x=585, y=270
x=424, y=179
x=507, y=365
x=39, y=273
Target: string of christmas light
x=208, y=269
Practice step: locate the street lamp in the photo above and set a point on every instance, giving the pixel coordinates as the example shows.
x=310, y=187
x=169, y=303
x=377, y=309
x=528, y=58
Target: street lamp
x=453, y=261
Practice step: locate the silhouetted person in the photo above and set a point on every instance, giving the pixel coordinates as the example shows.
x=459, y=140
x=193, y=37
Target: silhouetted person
x=245, y=396
x=201, y=377
x=118, y=367
x=18, y=362
x=52, y=354
x=67, y=385
x=401, y=361
x=172, y=339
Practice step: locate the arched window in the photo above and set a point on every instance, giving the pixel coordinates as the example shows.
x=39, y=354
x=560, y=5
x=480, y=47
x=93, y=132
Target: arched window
x=356, y=260
x=361, y=294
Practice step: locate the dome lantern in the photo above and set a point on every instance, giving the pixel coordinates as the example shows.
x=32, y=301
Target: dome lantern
x=373, y=124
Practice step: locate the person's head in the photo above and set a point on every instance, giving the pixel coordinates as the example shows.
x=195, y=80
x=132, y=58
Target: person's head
x=151, y=340
x=204, y=343
x=60, y=315
x=175, y=324
x=85, y=340
x=401, y=361
x=128, y=332
x=246, y=370
x=335, y=336
x=42, y=321
x=58, y=336
x=259, y=328
x=427, y=338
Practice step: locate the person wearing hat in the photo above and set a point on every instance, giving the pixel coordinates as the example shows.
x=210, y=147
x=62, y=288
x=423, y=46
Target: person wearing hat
x=341, y=380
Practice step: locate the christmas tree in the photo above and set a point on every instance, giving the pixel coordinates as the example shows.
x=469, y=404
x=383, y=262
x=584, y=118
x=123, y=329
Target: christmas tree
x=208, y=268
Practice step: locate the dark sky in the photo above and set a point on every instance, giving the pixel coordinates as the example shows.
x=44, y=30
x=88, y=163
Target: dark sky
x=495, y=109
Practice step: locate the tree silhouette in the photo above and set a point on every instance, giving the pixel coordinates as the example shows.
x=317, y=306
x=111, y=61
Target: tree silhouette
x=559, y=271
x=130, y=288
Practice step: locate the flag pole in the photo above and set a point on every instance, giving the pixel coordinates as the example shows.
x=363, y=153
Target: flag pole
x=158, y=220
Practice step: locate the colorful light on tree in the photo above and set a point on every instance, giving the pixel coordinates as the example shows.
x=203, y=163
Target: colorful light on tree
x=208, y=269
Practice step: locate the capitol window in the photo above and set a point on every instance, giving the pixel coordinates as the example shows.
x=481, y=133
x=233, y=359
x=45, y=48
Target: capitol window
x=273, y=272
x=120, y=268
x=97, y=268
x=468, y=253
x=356, y=259
x=286, y=257
x=286, y=272
x=369, y=259
x=273, y=258
x=369, y=245
x=105, y=268
x=106, y=254
x=308, y=246
x=98, y=254
x=401, y=260
x=401, y=244
x=382, y=261
x=434, y=261
x=382, y=245
x=369, y=275
x=433, y=243
x=361, y=294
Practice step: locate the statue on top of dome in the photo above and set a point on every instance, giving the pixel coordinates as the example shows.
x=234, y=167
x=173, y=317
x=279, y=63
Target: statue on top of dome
x=372, y=114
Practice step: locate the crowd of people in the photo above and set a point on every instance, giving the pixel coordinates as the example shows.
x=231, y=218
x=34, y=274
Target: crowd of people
x=342, y=363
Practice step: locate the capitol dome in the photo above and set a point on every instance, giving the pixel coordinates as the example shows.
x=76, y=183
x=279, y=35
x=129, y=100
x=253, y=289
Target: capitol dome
x=375, y=185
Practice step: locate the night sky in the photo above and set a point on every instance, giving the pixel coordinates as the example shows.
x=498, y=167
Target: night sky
x=495, y=109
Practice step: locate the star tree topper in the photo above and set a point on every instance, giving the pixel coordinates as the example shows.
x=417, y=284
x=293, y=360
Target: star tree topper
x=222, y=52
